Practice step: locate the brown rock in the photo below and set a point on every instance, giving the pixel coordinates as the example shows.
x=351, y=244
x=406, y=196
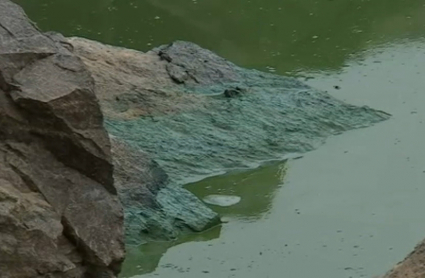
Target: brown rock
x=413, y=266
x=130, y=84
x=59, y=213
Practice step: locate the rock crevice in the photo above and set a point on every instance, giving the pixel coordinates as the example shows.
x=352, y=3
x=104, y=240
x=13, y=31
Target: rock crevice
x=59, y=213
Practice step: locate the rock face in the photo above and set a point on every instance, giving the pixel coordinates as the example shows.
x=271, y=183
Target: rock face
x=413, y=266
x=197, y=114
x=59, y=211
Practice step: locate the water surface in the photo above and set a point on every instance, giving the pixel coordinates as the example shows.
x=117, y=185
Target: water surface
x=281, y=35
x=354, y=207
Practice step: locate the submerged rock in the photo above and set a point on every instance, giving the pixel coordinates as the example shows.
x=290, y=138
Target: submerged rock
x=196, y=114
x=222, y=200
x=59, y=211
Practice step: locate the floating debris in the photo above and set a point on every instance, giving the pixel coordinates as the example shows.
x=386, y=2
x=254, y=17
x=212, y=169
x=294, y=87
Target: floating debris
x=222, y=200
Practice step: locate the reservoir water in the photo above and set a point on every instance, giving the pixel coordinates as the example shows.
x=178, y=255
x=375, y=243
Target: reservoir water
x=352, y=208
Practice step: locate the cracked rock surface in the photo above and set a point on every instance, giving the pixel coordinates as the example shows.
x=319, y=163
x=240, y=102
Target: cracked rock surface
x=59, y=211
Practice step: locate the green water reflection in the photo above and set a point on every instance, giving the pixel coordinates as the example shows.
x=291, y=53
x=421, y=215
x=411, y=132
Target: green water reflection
x=275, y=35
x=256, y=188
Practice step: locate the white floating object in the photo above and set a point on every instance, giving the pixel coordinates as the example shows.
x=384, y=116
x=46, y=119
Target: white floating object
x=222, y=200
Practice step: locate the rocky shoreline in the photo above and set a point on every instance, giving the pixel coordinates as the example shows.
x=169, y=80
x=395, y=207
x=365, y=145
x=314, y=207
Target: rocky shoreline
x=197, y=115
x=71, y=195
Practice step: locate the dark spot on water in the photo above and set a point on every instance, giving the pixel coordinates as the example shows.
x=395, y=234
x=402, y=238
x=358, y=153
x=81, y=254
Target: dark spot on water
x=336, y=87
x=205, y=271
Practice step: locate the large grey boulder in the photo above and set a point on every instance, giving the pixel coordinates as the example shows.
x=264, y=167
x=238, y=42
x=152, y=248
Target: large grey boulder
x=60, y=215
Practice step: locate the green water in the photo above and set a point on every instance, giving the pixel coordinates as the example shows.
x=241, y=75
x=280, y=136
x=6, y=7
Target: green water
x=256, y=188
x=354, y=207
x=281, y=35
